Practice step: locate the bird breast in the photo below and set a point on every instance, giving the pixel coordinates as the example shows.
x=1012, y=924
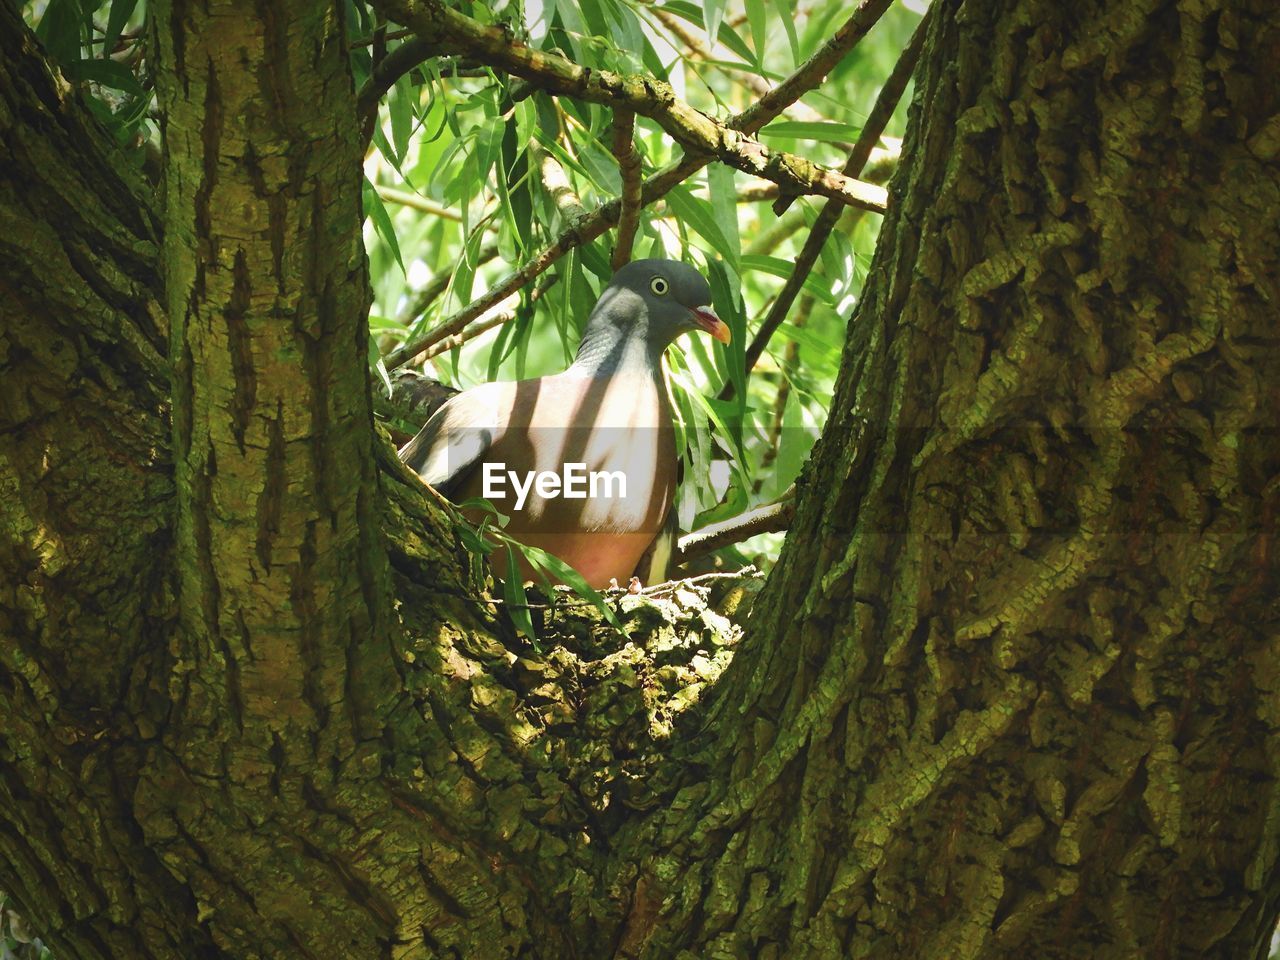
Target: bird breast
x=580, y=454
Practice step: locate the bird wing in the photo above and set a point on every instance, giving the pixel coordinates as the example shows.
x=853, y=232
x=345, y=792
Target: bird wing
x=454, y=438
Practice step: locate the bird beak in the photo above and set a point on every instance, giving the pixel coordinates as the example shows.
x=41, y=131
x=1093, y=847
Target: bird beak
x=706, y=318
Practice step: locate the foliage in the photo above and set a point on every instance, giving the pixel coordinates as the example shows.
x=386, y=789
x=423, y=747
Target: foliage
x=101, y=44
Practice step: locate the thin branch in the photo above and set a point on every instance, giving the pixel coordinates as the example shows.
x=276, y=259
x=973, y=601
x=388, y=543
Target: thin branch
x=748, y=572
x=434, y=290
x=469, y=334
x=886, y=103
x=654, y=99
x=378, y=48
x=369, y=40
x=770, y=518
x=705, y=50
x=814, y=70
x=415, y=202
x=556, y=182
x=384, y=76
x=485, y=325
x=771, y=237
x=758, y=192
x=624, y=148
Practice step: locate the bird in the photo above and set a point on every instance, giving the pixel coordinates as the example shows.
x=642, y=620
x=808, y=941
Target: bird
x=583, y=461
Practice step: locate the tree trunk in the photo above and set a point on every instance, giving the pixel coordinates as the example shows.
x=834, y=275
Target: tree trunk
x=1012, y=688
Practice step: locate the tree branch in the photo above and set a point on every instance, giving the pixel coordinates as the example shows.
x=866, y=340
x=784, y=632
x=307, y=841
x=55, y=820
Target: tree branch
x=754, y=82
x=770, y=518
x=384, y=76
x=624, y=148
x=434, y=290
x=814, y=70
x=691, y=128
x=412, y=200
x=484, y=325
x=886, y=103
x=556, y=182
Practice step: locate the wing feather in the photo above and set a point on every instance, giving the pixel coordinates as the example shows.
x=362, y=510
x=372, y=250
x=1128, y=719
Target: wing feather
x=455, y=437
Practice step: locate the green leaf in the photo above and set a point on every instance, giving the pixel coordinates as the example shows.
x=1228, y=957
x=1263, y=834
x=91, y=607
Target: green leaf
x=465, y=274
x=387, y=327
x=386, y=149
x=375, y=361
x=400, y=109
x=377, y=212
x=60, y=29
x=728, y=36
x=827, y=131
x=480, y=503
x=516, y=599
x=472, y=542
x=694, y=447
x=121, y=11
x=624, y=31
x=759, y=29
x=108, y=73
x=724, y=208
x=359, y=22
x=712, y=409
x=776, y=266
x=572, y=579
x=488, y=148
x=444, y=179
x=787, y=15
x=511, y=336
x=515, y=187
x=593, y=14
x=735, y=502
x=595, y=257
x=728, y=302
x=794, y=443
x=601, y=165
x=807, y=338
x=697, y=214
x=712, y=14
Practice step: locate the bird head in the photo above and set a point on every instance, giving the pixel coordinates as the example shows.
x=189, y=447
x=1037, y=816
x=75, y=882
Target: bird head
x=663, y=298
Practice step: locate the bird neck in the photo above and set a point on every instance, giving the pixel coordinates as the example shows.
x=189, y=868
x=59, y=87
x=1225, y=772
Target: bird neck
x=604, y=352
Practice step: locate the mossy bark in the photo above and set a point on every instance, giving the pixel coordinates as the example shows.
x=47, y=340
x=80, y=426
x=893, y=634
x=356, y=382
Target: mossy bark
x=1012, y=688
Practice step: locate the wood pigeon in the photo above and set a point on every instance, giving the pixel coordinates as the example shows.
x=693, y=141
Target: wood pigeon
x=584, y=461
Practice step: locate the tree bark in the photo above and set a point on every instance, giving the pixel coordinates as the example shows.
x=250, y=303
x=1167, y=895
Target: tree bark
x=85, y=518
x=1011, y=689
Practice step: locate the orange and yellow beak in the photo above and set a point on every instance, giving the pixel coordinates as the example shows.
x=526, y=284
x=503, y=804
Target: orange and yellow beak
x=707, y=320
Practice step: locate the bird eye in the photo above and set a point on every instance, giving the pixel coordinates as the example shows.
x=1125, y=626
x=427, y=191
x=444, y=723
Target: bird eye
x=659, y=286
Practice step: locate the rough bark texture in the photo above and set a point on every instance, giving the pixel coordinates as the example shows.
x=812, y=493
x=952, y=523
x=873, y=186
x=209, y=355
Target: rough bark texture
x=1012, y=688
x=85, y=512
